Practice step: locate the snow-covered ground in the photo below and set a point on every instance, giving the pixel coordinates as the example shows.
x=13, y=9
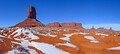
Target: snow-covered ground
x=1, y=39
x=14, y=51
x=44, y=47
x=83, y=33
x=101, y=34
x=47, y=48
x=67, y=37
x=48, y=34
x=26, y=32
x=29, y=39
x=91, y=38
x=67, y=44
x=114, y=48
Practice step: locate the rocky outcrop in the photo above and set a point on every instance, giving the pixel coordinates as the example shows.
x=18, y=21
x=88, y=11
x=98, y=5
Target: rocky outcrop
x=65, y=25
x=101, y=28
x=31, y=20
x=55, y=24
x=31, y=12
x=110, y=29
x=93, y=28
x=72, y=25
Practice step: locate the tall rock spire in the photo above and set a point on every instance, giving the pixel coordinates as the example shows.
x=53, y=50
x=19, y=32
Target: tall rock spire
x=110, y=29
x=31, y=12
x=31, y=20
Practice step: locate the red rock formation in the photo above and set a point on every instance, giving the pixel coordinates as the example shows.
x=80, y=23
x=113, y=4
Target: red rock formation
x=55, y=24
x=92, y=28
x=72, y=25
x=31, y=20
x=31, y=12
x=110, y=28
x=65, y=25
x=101, y=28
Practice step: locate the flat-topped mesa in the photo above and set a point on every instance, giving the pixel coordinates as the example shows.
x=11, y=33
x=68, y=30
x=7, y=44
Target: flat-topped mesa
x=71, y=25
x=31, y=20
x=55, y=24
x=65, y=25
x=101, y=28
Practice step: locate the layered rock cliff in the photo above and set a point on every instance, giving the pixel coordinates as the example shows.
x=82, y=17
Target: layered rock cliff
x=65, y=25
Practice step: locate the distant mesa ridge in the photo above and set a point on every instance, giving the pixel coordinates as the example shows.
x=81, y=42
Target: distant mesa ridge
x=65, y=25
x=31, y=21
x=101, y=28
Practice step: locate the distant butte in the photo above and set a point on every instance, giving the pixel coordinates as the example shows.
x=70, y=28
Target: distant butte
x=65, y=25
x=93, y=28
x=31, y=20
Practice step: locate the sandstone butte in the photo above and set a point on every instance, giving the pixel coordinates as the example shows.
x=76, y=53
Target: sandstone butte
x=31, y=20
x=65, y=25
x=93, y=28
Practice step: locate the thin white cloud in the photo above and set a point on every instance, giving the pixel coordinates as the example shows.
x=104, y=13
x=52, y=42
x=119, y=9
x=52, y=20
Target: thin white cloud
x=107, y=26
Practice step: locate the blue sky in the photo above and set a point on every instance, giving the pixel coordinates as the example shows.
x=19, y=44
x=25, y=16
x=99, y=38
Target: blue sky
x=88, y=12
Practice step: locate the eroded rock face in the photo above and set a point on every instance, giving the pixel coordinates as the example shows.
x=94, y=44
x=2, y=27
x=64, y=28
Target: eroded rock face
x=55, y=24
x=31, y=20
x=31, y=12
x=93, y=28
x=72, y=25
x=101, y=28
x=110, y=28
x=65, y=25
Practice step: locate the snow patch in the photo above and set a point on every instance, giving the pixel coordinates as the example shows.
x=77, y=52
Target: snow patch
x=25, y=43
x=101, y=34
x=15, y=42
x=24, y=46
x=26, y=32
x=67, y=44
x=18, y=31
x=83, y=33
x=1, y=39
x=47, y=48
x=48, y=34
x=14, y=51
x=2, y=36
x=32, y=51
x=67, y=37
x=91, y=38
x=114, y=48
